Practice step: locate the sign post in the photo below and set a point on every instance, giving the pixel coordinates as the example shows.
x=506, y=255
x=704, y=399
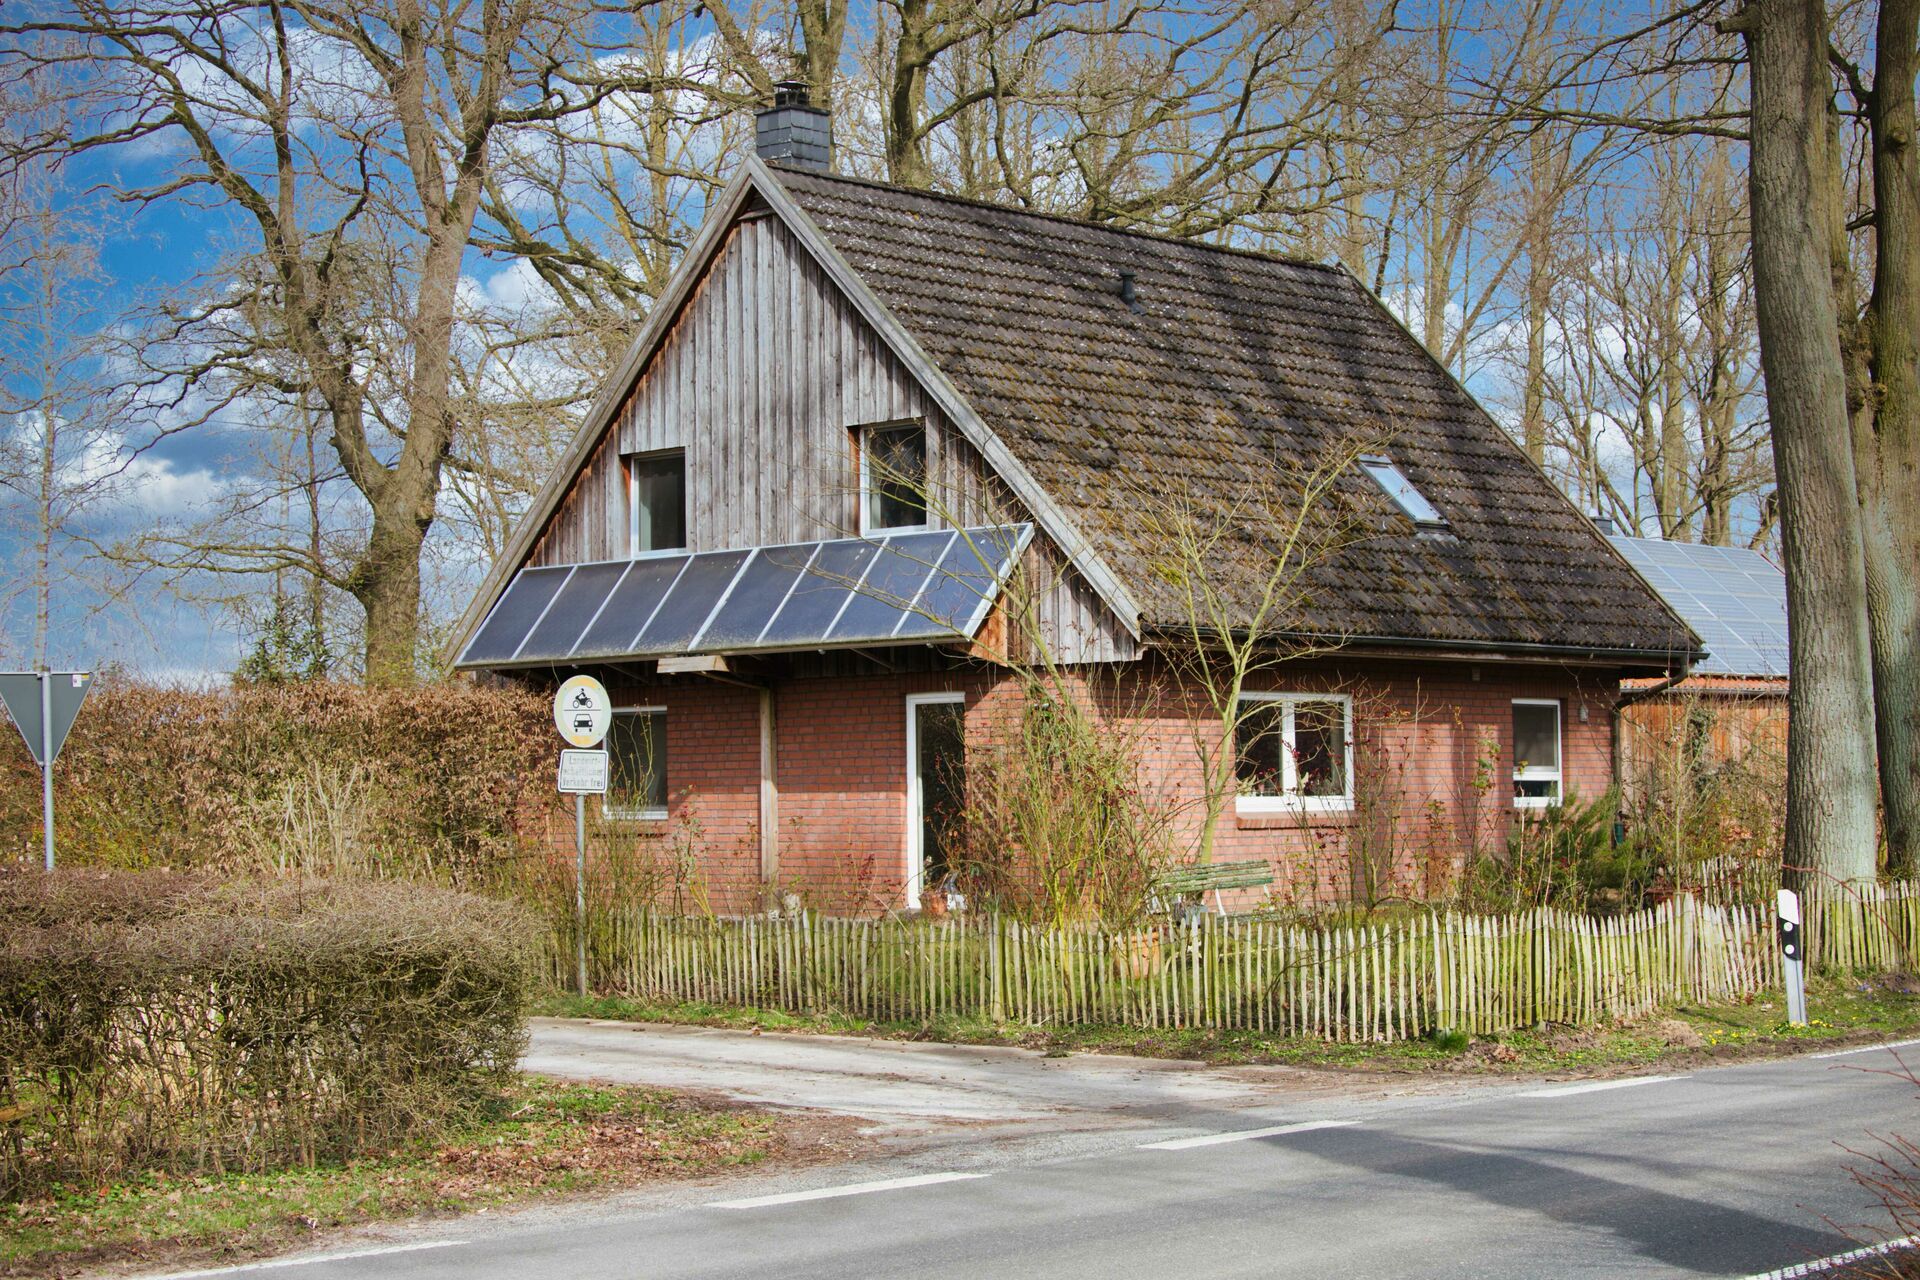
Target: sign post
x=43, y=705
x=1793, y=957
x=582, y=713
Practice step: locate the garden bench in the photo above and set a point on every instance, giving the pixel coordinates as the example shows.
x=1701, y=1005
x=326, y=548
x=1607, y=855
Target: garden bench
x=1202, y=878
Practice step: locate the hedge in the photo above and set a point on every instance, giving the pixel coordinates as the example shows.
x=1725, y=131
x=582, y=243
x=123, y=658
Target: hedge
x=160, y=1021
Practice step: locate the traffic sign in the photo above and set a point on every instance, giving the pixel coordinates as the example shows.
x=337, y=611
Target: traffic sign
x=583, y=773
x=582, y=712
x=30, y=706
x=43, y=705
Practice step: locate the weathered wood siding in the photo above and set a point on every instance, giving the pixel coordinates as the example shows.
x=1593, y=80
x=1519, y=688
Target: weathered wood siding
x=762, y=379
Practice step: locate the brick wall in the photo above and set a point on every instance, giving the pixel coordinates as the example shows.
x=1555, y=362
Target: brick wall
x=1433, y=760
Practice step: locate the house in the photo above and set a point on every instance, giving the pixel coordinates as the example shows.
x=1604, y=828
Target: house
x=743, y=541
x=1731, y=707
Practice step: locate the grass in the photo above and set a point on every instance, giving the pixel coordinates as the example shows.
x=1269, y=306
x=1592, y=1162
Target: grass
x=540, y=1138
x=1842, y=1010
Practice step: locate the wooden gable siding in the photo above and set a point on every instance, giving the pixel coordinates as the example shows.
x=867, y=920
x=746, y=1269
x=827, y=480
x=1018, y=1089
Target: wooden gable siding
x=761, y=379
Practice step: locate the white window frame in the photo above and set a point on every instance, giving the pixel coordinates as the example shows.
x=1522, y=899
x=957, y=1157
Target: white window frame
x=632, y=484
x=866, y=480
x=1291, y=801
x=916, y=852
x=1535, y=773
x=621, y=813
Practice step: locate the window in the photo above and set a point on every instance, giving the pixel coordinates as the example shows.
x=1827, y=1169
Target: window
x=656, y=502
x=1536, y=752
x=1391, y=478
x=893, y=478
x=1294, y=752
x=637, y=764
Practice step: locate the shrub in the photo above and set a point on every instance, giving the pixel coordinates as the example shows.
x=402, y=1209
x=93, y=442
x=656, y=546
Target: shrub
x=1059, y=821
x=433, y=782
x=156, y=1020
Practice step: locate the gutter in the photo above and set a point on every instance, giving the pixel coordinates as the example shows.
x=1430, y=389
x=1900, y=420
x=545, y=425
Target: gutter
x=1470, y=649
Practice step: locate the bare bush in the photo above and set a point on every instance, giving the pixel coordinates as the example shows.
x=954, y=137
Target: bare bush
x=439, y=782
x=155, y=1020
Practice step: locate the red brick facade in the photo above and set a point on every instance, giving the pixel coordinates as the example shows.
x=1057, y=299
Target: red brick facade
x=1433, y=750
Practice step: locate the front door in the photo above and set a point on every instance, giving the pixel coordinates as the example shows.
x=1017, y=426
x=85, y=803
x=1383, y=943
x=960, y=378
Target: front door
x=936, y=768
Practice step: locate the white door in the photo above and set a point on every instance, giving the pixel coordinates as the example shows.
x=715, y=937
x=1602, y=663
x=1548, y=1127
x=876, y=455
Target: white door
x=936, y=765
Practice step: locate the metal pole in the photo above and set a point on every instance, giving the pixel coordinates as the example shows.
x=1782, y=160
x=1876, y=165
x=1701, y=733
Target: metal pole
x=579, y=890
x=46, y=761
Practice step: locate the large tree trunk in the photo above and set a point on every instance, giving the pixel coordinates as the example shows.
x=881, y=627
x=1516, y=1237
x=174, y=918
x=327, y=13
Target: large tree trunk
x=1830, y=752
x=1887, y=434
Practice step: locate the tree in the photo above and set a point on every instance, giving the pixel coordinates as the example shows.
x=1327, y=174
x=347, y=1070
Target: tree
x=1881, y=346
x=61, y=455
x=1796, y=223
x=347, y=145
x=1241, y=568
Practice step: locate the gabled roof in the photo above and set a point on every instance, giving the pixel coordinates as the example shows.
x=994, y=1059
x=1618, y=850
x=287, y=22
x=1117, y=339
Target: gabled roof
x=1014, y=323
x=1734, y=598
x=1226, y=360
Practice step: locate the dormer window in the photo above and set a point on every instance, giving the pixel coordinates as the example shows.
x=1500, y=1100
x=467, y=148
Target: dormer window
x=656, y=502
x=893, y=478
x=1387, y=474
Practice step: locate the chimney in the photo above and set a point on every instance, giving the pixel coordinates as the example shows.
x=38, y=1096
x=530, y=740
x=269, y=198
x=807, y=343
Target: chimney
x=1605, y=525
x=793, y=131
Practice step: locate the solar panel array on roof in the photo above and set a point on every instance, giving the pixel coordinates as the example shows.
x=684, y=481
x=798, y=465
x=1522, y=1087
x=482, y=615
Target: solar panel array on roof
x=845, y=593
x=1736, y=600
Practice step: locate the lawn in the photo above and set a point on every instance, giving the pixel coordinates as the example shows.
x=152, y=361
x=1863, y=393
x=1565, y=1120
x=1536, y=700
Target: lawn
x=541, y=1138
x=1842, y=1011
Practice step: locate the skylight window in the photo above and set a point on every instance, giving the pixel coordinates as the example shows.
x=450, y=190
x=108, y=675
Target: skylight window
x=1409, y=499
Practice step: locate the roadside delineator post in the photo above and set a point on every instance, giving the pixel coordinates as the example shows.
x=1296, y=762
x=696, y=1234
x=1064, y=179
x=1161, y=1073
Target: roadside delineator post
x=1792, y=957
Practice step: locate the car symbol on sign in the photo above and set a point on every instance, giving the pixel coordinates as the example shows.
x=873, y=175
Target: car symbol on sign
x=583, y=722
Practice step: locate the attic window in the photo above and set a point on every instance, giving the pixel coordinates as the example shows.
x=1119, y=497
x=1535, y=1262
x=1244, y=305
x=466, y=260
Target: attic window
x=1391, y=478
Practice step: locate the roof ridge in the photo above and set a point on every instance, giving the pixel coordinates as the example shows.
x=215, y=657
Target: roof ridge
x=1159, y=237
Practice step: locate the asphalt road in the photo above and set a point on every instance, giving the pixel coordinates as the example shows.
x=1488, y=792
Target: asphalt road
x=1727, y=1172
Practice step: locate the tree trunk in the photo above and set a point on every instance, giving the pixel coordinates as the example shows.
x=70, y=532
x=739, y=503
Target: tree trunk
x=1887, y=436
x=1830, y=752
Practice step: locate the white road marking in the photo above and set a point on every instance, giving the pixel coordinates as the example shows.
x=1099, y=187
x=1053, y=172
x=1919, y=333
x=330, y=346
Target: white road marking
x=851, y=1189
x=1595, y=1086
x=274, y=1263
x=1243, y=1135
x=1821, y=1265
x=1865, y=1048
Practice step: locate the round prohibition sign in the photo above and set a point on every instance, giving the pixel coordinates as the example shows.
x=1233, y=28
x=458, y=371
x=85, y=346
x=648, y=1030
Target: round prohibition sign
x=582, y=712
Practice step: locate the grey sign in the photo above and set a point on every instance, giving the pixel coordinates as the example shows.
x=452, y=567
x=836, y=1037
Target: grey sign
x=21, y=692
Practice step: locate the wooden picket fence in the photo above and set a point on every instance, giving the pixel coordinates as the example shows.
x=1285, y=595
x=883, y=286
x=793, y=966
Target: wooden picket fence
x=1376, y=982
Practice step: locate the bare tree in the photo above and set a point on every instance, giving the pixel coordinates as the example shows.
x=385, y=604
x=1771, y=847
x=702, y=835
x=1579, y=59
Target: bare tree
x=1796, y=221
x=1880, y=344
x=352, y=140
x=61, y=448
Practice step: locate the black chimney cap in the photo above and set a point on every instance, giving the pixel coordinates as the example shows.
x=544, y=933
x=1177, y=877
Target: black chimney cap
x=792, y=93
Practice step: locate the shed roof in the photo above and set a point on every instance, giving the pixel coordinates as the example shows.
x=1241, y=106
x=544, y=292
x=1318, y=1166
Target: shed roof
x=1734, y=598
x=1226, y=361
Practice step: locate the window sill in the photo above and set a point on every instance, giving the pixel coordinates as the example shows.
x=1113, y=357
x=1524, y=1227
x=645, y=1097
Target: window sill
x=633, y=815
x=1536, y=802
x=1267, y=814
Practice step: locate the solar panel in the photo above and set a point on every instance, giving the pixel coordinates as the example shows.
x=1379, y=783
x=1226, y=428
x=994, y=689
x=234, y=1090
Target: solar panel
x=756, y=595
x=1734, y=599
x=912, y=586
x=525, y=599
x=964, y=585
x=572, y=609
x=891, y=589
x=702, y=585
x=630, y=606
x=820, y=594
